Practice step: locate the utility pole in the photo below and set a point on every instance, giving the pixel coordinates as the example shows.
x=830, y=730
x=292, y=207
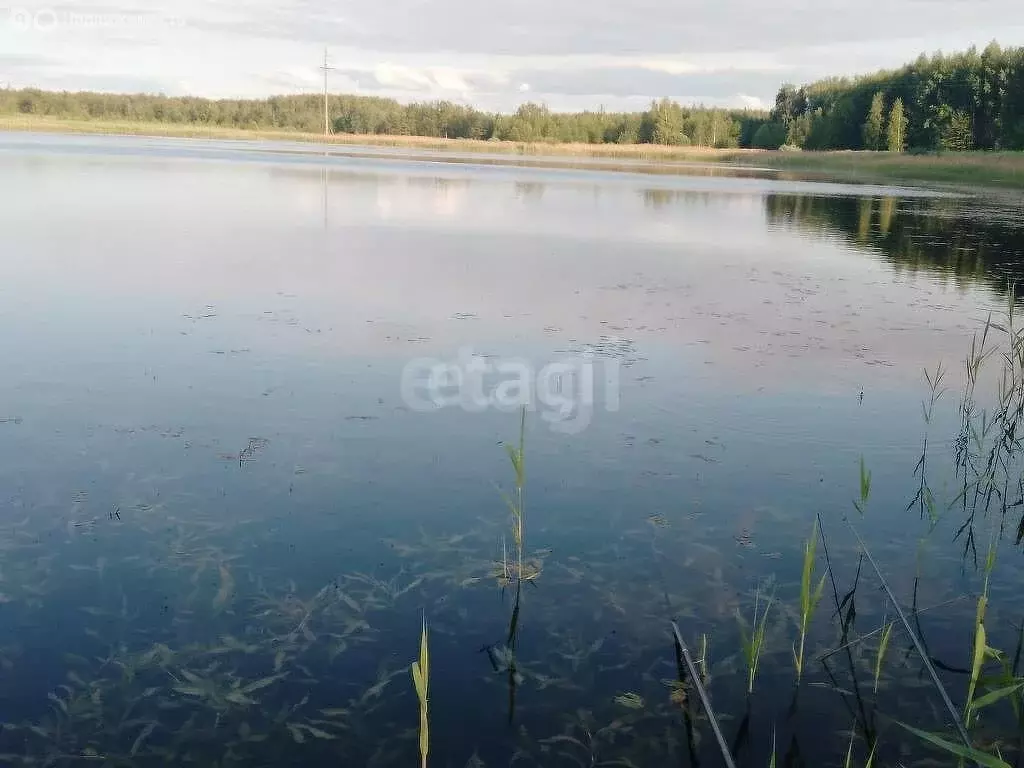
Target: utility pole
x=327, y=123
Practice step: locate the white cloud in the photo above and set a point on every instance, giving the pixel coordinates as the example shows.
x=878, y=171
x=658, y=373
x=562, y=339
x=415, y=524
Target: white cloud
x=449, y=79
x=568, y=54
x=401, y=77
x=751, y=102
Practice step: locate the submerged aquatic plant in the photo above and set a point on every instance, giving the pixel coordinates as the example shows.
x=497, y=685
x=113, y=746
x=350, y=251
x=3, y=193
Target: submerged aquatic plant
x=753, y=636
x=810, y=595
x=421, y=679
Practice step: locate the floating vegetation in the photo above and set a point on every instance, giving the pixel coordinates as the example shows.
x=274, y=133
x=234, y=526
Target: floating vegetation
x=256, y=446
x=658, y=521
x=630, y=700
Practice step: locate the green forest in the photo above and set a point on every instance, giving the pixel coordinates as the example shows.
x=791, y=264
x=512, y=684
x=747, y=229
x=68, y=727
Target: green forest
x=666, y=122
x=958, y=102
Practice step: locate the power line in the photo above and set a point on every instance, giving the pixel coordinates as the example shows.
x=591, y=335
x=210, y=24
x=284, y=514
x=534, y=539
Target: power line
x=326, y=68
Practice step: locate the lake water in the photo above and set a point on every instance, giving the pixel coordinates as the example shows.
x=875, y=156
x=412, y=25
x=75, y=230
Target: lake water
x=228, y=500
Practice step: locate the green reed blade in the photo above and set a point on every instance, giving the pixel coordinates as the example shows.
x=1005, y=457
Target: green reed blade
x=883, y=645
x=421, y=680
x=969, y=753
x=993, y=696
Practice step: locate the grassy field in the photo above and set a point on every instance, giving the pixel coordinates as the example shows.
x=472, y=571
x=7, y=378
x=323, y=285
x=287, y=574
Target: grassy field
x=1003, y=169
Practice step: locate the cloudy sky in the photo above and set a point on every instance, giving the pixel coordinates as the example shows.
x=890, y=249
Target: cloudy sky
x=570, y=54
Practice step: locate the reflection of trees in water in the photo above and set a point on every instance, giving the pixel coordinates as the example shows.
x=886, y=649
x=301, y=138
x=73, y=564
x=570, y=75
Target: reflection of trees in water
x=946, y=236
x=661, y=198
x=530, y=191
x=438, y=183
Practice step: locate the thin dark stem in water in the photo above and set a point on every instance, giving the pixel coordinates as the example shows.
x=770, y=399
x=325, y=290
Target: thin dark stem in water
x=828, y=563
x=872, y=633
x=793, y=756
x=847, y=623
x=513, y=642
x=742, y=733
x=957, y=719
x=691, y=739
x=1020, y=648
x=698, y=686
x=924, y=639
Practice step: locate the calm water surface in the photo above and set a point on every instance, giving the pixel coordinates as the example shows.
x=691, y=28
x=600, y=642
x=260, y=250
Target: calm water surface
x=221, y=523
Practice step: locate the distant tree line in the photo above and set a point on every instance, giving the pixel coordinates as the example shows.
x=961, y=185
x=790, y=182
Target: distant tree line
x=958, y=102
x=962, y=101
x=666, y=122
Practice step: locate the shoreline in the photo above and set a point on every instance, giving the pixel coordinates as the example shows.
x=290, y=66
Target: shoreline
x=11, y=123
x=1003, y=170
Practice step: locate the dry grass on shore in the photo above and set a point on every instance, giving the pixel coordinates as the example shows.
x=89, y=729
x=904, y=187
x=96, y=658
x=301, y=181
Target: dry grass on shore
x=1005, y=169
x=131, y=128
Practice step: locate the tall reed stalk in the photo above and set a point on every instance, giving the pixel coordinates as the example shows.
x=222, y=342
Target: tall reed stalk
x=810, y=594
x=421, y=679
x=517, y=455
x=753, y=636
